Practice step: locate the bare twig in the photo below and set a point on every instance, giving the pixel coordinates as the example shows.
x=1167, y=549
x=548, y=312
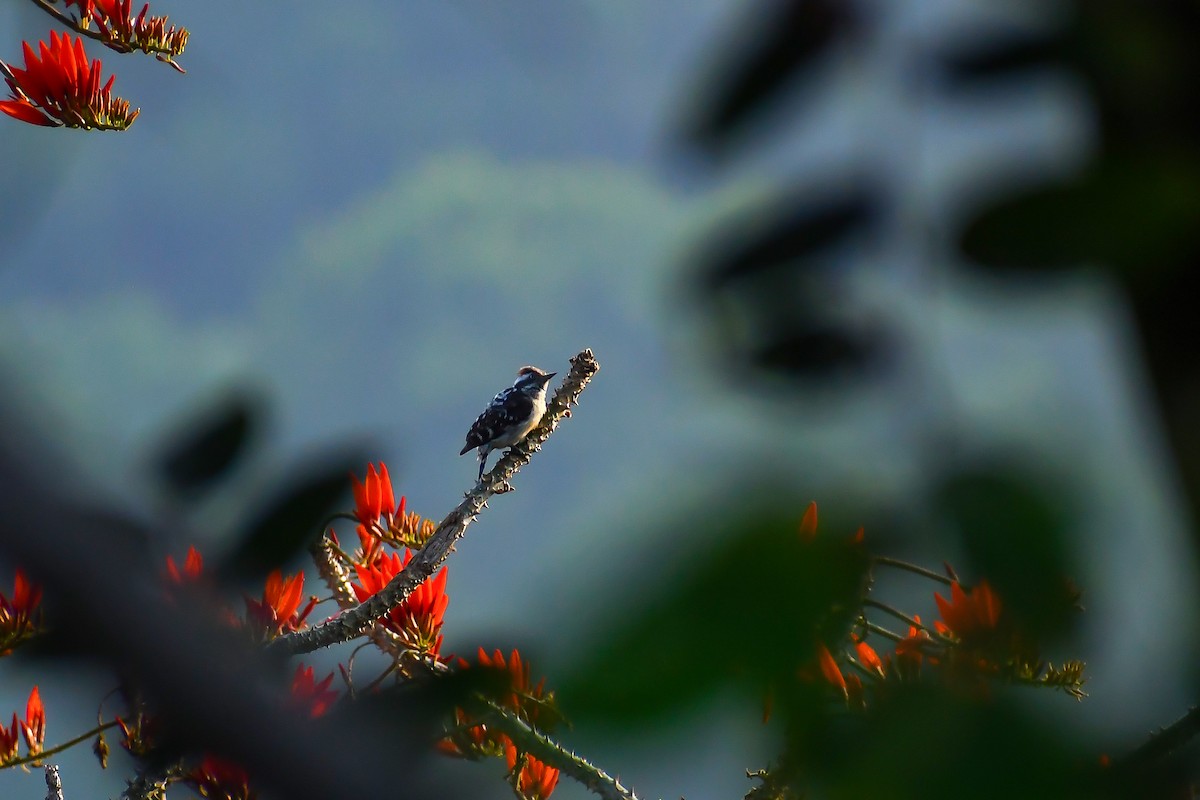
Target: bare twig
x=898, y=564
x=356, y=621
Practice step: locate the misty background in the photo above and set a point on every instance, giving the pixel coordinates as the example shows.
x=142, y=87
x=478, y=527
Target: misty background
x=371, y=215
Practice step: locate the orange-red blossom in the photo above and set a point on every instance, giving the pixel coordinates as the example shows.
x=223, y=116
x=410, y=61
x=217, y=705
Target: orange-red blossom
x=534, y=780
x=60, y=87
x=418, y=620
x=315, y=698
x=381, y=518
x=18, y=615
x=193, y=567
x=519, y=695
x=32, y=729
x=221, y=780
x=969, y=614
x=124, y=32
x=278, y=611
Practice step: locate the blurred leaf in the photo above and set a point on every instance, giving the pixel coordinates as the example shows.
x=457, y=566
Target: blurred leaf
x=924, y=740
x=1135, y=213
x=784, y=231
x=1014, y=530
x=293, y=518
x=820, y=352
x=746, y=612
x=780, y=40
x=1000, y=58
x=766, y=272
x=204, y=449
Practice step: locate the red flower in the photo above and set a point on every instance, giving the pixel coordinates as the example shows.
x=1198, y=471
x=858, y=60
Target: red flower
x=10, y=740
x=374, y=496
x=530, y=703
x=417, y=621
x=829, y=668
x=221, y=779
x=534, y=780
x=34, y=726
x=316, y=698
x=192, y=567
x=523, y=698
x=469, y=740
x=123, y=32
x=869, y=658
x=61, y=88
x=381, y=518
x=277, y=611
x=969, y=615
x=32, y=729
x=911, y=649
x=17, y=615
x=808, y=525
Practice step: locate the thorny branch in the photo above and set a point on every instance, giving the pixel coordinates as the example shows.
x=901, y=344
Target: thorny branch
x=356, y=621
x=546, y=750
x=1166, y=740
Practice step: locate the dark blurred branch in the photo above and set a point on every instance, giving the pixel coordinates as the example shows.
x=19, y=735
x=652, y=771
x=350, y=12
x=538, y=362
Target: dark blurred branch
x=544, y=749
x=1166, y=740
x=918, y=570
x=356, y=621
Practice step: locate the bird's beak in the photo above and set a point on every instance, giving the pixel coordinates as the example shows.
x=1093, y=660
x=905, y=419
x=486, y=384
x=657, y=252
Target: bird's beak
x=549, y=375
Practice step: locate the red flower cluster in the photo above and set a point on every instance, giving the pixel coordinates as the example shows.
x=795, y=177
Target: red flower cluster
x=382, y=519
x=315, y=698
x=417, y=622
x=32, y=729
x=530, y=778
x=279, y=610
x=123, y=32
x=62, y=88
x=19, y=617
x=193, y=566
x=221, y=780
x=969, y=616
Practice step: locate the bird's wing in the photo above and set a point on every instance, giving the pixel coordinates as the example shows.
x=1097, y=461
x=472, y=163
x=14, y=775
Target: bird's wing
x=508, y=407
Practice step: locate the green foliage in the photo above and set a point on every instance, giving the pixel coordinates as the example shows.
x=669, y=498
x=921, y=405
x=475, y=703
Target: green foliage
x=1015, y=534
x=744, y=612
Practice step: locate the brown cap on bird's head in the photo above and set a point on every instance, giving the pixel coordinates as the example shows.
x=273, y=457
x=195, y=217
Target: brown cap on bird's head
x=544, y=377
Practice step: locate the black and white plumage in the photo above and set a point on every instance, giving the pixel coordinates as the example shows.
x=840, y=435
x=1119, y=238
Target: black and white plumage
x=511, y=415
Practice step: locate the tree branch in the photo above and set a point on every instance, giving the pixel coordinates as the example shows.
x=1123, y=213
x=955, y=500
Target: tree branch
x=1166, y=740
x=544, y=749
x=66, y=20
x=356, y=621
x=40, y=756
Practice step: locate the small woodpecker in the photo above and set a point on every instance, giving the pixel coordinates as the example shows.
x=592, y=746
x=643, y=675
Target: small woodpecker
x=511, y=415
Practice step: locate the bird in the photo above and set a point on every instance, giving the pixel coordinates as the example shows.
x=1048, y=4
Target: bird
x=511, y=415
